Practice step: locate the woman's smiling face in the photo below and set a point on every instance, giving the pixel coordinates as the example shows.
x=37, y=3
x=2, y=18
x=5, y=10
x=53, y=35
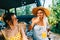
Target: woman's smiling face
x=40, y=13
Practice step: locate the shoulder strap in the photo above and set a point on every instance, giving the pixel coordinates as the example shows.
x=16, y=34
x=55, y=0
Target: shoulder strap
x=3, y=32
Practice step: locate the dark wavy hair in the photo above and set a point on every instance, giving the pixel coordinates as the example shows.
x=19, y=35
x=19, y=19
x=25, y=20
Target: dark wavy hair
x=7, y=17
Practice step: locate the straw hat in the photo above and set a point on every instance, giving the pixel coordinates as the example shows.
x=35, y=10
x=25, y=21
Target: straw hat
x=34, y=11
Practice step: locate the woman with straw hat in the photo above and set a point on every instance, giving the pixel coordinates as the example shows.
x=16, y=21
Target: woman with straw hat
x=39, y=23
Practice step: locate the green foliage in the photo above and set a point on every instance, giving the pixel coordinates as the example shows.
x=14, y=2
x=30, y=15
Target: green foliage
x=56, y=28
x=55, y=13
x=12, y=10
x=27, y=9
x=54, y=18
x=1, y=11
x=21, y=11
x=24, y=10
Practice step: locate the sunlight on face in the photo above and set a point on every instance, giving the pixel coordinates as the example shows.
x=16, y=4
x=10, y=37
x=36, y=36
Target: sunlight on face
x=40, y=13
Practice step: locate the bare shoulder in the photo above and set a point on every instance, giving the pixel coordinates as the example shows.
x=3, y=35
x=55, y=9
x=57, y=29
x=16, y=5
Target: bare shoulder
x=1, y=31
x=22, y=25
x=33, y=18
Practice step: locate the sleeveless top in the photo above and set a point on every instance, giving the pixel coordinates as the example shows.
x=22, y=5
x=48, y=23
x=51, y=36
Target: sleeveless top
x=17, y=36
x=40, y=32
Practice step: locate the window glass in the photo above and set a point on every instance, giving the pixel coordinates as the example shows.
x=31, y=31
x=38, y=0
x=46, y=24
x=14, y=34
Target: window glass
x=2, y=11
x=12, y=10
x=24, y=10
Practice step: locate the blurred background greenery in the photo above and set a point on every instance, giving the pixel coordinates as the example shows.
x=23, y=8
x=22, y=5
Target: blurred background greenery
x=54, y=18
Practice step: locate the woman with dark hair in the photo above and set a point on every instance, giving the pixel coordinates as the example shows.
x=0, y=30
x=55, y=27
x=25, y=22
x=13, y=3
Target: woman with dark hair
x=40, y=23
x=13, y=31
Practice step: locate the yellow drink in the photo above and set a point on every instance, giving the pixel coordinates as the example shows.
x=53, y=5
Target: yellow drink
x=44, y=35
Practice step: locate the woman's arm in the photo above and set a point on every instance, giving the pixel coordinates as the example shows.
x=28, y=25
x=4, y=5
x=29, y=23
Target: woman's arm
x=35, y=20
x=21, y=29
x=48, y=27
x=24, y=37
x=47, y=24
x=32, y=24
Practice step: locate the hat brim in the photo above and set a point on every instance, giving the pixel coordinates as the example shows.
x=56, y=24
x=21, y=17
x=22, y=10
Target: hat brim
x=34, y=11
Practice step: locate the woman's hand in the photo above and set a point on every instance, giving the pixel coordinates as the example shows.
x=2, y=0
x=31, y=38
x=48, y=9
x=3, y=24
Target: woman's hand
x=35, y=20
